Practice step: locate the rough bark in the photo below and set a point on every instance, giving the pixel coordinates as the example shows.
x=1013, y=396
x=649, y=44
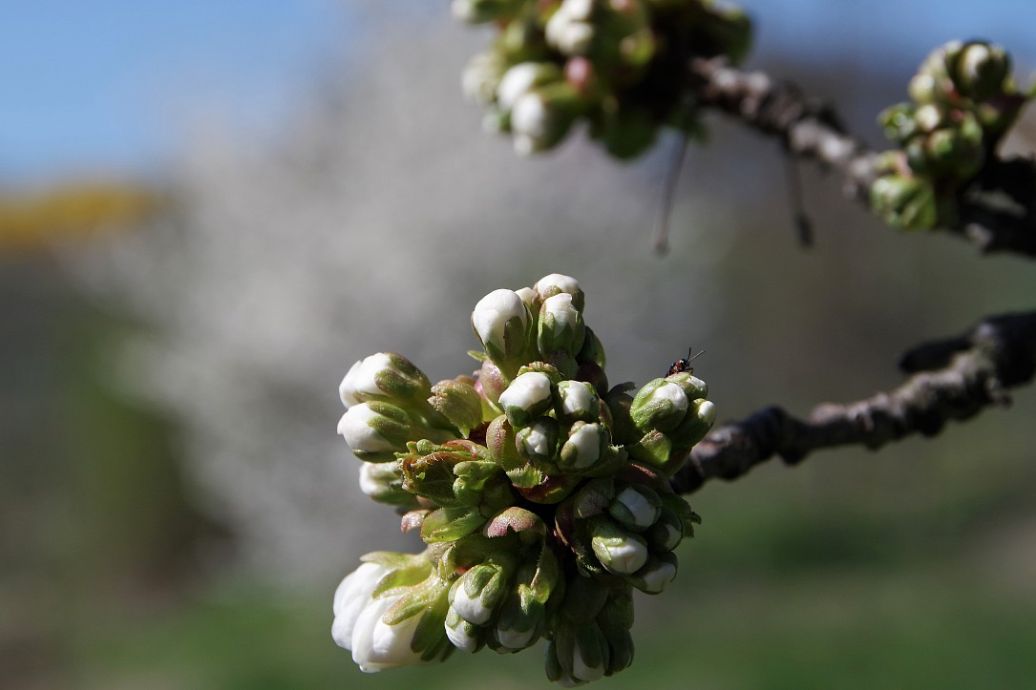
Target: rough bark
x=952, y=379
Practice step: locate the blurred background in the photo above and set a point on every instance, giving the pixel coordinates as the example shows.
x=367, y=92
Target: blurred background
x=208, y=211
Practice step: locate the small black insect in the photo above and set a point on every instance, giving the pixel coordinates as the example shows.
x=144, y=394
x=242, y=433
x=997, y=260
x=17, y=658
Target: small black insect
x=684, y=364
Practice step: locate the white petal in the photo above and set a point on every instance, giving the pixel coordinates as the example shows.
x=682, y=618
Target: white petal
x=587, y=442
x=355, y=427
x=526, y=391
x=674, y=394
x=656, y=579
x=577, y=399
x=560, y=307
x=352, y=595
x=514, y=639
x=390, y=644
x=346, y=390
x=470, y=609
x=363, y=633
x=492, y=313
x=557, y=280
x=581, y=670
x=628, y=556
x=516, y=82
x=461, y=637
x=644, y=514
x=529, y=116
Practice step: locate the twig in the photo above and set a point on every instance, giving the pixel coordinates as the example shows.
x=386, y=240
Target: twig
x=953, y=379
x=810, y=130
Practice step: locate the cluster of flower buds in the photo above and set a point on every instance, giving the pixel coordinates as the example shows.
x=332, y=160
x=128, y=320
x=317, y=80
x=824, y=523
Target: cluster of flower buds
x=963, y=100
x=619, y=65
x=542, y=494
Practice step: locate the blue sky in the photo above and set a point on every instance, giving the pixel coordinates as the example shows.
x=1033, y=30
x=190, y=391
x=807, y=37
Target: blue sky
x=105, y=84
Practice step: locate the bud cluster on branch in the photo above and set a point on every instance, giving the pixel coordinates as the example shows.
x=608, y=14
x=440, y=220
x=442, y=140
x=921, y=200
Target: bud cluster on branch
x=543, y=495
x=615, y=64
x=963, y=100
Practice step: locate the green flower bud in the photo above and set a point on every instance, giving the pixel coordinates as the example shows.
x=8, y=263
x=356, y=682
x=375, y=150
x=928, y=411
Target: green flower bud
x=528, y=396
x=660, y=405
x=500, y=440
x=459, y=402
x=659, y=571
x=580, y=653
x=654, y=449
x=577, y=401
x=636, y=507
x=587, y=446
x=898, y=122
x=619, y=551
x=696, y=424
x=593, y=349
x=619, y=402
x=905, y=202
x=491, y=381
x=538, y=442
x=385, y=376
x=981, y=70
x=615, y=621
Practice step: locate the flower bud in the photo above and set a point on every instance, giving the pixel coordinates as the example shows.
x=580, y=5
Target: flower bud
x=656, y=574
x=619, y=402
x=541, y=118
x=459, y=402
x=384, y=376
x=482, y=76
x=660, y=405
x=577, y=654
x=500, y=440
x=376, y=431
x=463, y=635
x=528, y=396
x=981, y=70
x=522, y=79
x=636, y=507
x=619, y=551
x=538, y=442
x=491, y=381
x=477, y=593
x=615, y=621
x=587, y=445
x=560, y=327
x=382, y=608
x=556, y=284
x=569, y=29
x=696, y=424
x=504, y=326
x=383, y=482
x=692, y=386
x=905, y=202
x=667, y=532
x=577, y=401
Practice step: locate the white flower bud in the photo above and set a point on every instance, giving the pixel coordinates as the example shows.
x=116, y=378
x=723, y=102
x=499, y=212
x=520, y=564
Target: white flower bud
x=528, y=392
x=655, y=576
x=384, y=375
x=351, y=597
x=585, y=446
x=358, y=427
x=556, y=283
x=377, y=645
x=618, y=550
x=522, y=78
x=481, y=77
x=501, y=320
x=463, y=635
x=577, y=401
x=634, y=508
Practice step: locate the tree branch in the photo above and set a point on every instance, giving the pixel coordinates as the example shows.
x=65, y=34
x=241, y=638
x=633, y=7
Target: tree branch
x=811, y=130
x=953, y=379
